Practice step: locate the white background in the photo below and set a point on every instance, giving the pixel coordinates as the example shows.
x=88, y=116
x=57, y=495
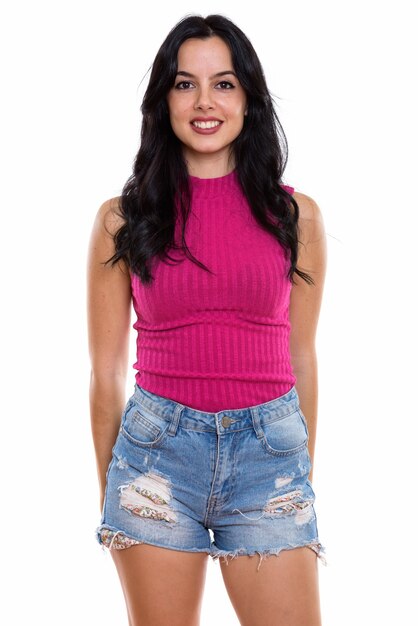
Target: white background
x=343, y=75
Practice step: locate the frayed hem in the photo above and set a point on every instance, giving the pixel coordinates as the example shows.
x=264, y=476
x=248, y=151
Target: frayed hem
x=110, y=538
x=320, y=551
x=317, y=547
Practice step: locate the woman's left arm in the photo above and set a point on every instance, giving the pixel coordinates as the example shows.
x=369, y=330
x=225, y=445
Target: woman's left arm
x=305, y=304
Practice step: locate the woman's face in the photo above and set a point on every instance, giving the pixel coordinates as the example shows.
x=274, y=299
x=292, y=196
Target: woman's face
x=200, y=94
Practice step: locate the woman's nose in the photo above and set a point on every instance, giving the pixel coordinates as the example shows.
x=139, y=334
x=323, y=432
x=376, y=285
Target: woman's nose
x=204, y=99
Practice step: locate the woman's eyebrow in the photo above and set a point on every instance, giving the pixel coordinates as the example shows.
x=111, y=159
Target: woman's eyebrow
x=189, y=75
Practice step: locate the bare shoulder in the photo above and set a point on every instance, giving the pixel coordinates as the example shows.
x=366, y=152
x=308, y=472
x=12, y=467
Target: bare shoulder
x=311, y=223
x=108, y=221
x=308, y=208
x=109, y=215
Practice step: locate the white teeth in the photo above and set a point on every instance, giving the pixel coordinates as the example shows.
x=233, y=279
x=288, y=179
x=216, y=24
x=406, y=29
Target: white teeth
x=211, y=124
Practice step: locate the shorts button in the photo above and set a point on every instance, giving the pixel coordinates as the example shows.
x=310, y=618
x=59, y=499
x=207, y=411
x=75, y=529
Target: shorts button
x=226, y=421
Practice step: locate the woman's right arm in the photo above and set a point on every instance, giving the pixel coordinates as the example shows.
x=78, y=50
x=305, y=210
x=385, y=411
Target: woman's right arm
x=109, y=317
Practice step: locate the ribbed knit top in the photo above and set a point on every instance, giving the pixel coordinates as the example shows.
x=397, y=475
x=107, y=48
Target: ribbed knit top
x=216, y=341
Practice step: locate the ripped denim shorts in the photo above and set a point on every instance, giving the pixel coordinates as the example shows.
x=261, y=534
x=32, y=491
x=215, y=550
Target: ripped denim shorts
x=229, y=483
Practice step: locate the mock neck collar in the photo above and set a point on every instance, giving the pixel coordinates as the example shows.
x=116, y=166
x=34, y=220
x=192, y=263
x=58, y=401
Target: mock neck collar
x=203, y=188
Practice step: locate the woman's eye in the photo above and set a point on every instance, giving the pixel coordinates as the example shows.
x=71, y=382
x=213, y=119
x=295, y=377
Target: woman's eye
x=183, y=82
x=225, y=82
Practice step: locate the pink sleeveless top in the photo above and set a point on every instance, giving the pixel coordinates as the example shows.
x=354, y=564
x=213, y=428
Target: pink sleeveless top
x=216, y=341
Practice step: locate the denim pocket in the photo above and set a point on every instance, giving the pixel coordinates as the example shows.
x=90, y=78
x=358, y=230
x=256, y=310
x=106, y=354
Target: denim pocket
x=286, y=435
x=141, y=426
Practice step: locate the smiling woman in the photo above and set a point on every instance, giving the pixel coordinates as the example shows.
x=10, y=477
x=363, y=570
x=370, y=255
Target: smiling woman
x=219, y=433
x=212, y=87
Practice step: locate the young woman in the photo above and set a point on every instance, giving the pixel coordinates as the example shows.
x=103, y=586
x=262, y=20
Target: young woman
x=224, y=265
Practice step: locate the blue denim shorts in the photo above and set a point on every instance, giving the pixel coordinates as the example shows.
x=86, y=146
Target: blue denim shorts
x=229, y=483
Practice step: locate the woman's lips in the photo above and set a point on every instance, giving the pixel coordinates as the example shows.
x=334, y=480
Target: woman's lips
x=206, y=131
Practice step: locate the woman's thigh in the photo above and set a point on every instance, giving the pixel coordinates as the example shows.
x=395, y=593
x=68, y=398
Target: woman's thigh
x=284, y=592
x=161, y=586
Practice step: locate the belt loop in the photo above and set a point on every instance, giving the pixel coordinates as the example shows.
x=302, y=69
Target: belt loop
x=172, y=429
x=256, y=422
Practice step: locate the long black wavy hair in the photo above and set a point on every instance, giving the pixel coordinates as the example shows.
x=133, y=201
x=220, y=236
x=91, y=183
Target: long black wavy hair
x=160, y=172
